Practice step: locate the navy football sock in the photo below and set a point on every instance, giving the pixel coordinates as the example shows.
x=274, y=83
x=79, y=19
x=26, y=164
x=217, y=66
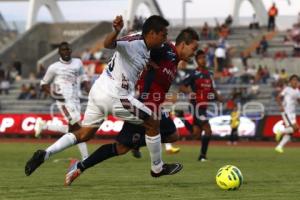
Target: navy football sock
x=102, y=153
x=204, y=144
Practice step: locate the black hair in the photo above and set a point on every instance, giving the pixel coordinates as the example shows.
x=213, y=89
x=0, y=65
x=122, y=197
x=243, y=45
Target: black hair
x=187, y=35
x=155, y=23
x=198, y=53
x=63, y=44
x=294, y=76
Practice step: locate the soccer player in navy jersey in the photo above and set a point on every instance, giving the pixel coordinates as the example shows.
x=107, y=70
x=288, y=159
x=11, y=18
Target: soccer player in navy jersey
x=200, y=87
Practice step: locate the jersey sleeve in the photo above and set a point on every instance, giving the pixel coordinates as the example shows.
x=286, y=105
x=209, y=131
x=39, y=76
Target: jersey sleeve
x=283, y=92
x=122, y=46
x=49, y=76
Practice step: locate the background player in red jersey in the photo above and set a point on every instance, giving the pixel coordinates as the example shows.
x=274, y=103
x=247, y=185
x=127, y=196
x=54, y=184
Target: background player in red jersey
x=152, y=86
x=199, y=84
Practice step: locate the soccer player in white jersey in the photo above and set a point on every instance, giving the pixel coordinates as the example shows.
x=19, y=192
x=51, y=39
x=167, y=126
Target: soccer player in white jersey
x=113, y=92
x=287, y=100
x=62, y=82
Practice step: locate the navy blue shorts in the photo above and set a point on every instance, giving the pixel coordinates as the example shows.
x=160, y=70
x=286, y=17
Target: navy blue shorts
x=133, y=135
x=200, y=118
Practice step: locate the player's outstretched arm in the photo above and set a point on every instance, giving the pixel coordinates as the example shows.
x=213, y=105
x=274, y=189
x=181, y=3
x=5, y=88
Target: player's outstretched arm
x=279, y=101
x=110, y=39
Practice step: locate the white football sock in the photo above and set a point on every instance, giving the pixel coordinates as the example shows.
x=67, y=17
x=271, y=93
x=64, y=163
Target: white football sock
x=288, y=130
x=285, y=139
x=83, y=150
x=168, y=146
x=57, y=128
x=154, y=147
x=62, y=143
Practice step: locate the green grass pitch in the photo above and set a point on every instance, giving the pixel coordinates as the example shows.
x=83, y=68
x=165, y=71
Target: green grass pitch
x=267, y=175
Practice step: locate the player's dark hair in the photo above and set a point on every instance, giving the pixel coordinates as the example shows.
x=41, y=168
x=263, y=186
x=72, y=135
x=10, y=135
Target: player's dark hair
x=198, y=53
x=187, y=35
x=155, y=23
x=294, y=76
x=63, y=44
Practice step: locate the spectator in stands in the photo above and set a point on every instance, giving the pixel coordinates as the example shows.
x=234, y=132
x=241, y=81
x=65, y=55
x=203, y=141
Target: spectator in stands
x=262, y=48
x=220, y=58
x=24, y=92
x=296, y=52
x=266, y=75
x=279, y=55
x=259, y=74
x=234, y=74
x=248, y=74
x=228, y=21
x=273, y=12
x=276, y=75
x=12, y=74
x=205, y=31
x=210, y=55
x=86, y=55
x=254, y=24
x=224, y=31
x=32, y=92
x=18, y=67
x=244, y=58
x=4, y=86
x=283, y=76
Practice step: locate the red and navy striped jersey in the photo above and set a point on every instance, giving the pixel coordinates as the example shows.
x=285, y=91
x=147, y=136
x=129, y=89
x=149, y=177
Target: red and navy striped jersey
x=155, y=83
x=202, y=84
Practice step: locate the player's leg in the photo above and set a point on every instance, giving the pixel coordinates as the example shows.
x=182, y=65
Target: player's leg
x=233, y=136
x=71, y=112
x=134, y=111
x=205, y=138
x=131, y=136
x=41, y=125
x=93, y=118
x=291, y=127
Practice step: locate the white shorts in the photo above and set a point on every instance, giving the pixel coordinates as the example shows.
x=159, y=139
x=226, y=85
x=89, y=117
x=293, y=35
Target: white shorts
x=289, y=119
x=70, y=110
x=101, y=104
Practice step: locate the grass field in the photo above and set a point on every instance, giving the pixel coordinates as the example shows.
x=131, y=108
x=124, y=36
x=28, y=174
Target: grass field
x=267, y=175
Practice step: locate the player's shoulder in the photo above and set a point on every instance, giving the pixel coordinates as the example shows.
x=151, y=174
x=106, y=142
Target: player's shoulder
x=54, y=65
x=77, y=61
x=131, y=38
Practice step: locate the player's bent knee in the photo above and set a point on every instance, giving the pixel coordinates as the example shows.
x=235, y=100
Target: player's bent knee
x=151, y=126
x=122, y=149
x=85, y=134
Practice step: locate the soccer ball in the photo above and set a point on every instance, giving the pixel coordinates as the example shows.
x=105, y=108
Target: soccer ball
x=229, y=177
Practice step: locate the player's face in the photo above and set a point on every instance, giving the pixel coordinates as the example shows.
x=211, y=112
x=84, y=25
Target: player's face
x=158, y=38
x=65, y=52
x=188, y=50
x=294, y=83
x=201, y=60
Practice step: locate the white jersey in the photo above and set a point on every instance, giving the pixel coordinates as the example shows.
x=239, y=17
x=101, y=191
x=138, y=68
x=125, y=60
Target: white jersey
x=290, y=97
x=65, y=77
x=121, y=74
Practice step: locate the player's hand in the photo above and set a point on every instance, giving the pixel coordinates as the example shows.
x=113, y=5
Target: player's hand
x=118, y=23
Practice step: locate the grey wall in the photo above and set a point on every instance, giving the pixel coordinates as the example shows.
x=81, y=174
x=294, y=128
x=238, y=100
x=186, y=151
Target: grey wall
x=39, y=41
